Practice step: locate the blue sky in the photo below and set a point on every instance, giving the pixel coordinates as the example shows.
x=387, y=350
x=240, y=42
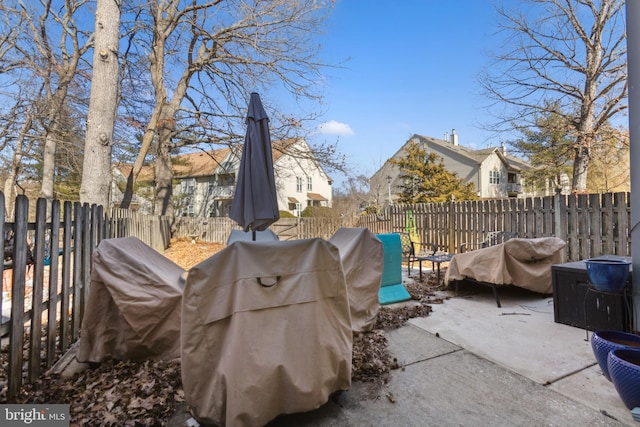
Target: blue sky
x=411, y=67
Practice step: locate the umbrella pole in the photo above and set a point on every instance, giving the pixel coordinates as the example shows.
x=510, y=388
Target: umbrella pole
x=253, y=235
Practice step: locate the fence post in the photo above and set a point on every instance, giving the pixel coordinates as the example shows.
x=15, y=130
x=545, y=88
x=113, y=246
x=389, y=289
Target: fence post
x=450, y=221
x=560, y=229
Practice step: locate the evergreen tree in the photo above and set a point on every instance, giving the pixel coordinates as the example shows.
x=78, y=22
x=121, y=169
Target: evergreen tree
x=425, y=179
x=548, y=148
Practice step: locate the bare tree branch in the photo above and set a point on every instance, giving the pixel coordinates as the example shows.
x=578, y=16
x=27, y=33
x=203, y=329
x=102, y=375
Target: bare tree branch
x=570, y=53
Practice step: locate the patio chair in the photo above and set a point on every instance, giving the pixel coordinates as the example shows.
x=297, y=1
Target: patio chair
x=408, y=251
x=410, y=256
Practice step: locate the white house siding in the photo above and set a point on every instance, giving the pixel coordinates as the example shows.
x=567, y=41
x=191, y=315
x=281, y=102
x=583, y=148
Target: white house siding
x=492, y=169
x=287, y=171
x=215, y=200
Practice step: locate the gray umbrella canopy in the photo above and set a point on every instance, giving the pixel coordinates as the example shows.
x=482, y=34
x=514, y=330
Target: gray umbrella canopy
x=255, y=203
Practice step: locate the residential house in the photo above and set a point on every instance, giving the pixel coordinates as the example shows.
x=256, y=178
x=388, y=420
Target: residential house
x=493, y=172
x=205, y=181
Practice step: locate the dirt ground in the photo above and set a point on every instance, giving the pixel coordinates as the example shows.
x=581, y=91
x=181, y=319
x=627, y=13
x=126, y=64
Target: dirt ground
x=125, y=393
x=186, y=253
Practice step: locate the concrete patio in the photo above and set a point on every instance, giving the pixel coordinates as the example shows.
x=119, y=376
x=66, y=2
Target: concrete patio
x=471, y=363
x=523, y=338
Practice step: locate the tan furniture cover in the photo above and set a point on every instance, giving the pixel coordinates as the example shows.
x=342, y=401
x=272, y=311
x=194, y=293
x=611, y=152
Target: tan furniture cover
x=525, y=263
x=133, y=308
x=266, y=330
x=362, y=262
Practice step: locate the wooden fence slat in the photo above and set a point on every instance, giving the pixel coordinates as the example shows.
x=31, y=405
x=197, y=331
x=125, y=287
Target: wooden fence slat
x=2, y=230
x=19, y=258
x=65, y=303
x=87, y=251
x=77, y=270
x=52, y=307
x=37, y=279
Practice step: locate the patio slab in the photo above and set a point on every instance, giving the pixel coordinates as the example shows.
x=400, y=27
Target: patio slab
x=447, y=385
x=441, y=383
x=523, y=337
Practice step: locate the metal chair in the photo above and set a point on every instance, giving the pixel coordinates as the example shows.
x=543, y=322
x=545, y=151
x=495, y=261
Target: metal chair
x=408, y=251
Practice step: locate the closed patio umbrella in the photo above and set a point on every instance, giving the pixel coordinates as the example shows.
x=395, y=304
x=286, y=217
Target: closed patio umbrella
x=255, y=203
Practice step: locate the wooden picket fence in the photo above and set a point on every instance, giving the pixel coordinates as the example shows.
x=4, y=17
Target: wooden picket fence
x=47, y=295
x=591, y=224
x=217, y=230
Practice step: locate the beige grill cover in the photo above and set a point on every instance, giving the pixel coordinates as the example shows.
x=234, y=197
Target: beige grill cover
x=362, y=262
x=133, y=308
x=525, y=263
x=252, y=351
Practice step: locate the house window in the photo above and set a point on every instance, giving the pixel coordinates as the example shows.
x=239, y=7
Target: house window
x=494, y=177
x=309, y=183
x=212, y=185
x=187, y=186
x=299, y=184
x=298, y=209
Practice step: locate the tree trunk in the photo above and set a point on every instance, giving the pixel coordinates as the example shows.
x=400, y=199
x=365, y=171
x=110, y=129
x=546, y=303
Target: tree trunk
x=164, y=175
x=49, y=164
x=96, y=170
x=147, y=140
x=580, y=167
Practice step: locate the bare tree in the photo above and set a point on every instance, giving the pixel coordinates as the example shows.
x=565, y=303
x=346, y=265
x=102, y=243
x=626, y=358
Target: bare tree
x=103, y=102
x=49, y=48
x=8, y=38
x=204, y=60
x=570, y=53
x=353, y=197
x=17, y=145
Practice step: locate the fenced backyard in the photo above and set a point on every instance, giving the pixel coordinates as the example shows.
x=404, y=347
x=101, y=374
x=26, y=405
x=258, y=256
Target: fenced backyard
x=43, y=296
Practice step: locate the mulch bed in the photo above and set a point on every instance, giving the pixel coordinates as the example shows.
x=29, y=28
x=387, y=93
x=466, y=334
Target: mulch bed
x=126, y=393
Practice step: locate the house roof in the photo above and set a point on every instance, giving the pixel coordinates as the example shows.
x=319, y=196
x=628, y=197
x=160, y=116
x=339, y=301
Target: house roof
x=316, y=196
x=205, y=163
x=281, y=147
x=146, y=173
x=201, y=163
x=476, y=155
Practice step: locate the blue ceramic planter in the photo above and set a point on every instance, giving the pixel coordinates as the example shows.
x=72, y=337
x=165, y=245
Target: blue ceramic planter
x=602, y=342
x=608, y=275
x=624, y=368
